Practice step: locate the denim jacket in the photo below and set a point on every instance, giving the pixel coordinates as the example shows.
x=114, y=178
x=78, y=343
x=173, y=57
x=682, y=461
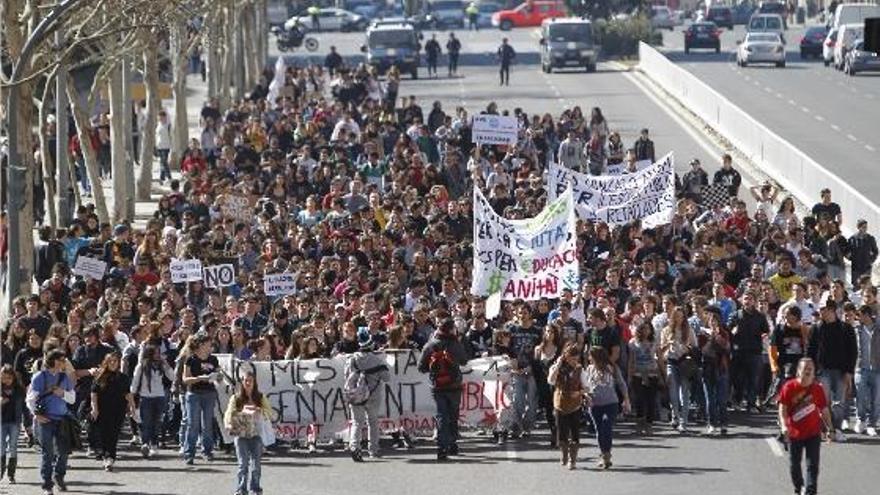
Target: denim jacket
x=869, y=347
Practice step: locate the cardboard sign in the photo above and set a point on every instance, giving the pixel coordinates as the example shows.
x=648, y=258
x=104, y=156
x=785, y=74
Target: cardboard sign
x=183, y=271
x=279, y=284
x=495, y=129
x=90, y=267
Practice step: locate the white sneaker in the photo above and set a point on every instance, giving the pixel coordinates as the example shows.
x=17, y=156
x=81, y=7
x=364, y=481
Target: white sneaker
x=681, y=428
x=839, y=437
x=859, y=427
x=844, y=425
x=154, y=451
x=871, y=431
x=710, y=430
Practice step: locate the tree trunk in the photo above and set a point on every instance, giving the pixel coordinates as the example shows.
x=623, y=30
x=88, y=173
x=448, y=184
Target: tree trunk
x=251, y=49
x=229, y=63
x=238, y=55
x=46, y=158
x=212, y=34
x=148, y=136
x=118, y=157
x=128, y=124
x=84, y=132
x=180, y=67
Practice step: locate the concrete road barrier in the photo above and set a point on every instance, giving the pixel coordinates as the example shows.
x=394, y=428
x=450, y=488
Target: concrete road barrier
x=794, y=170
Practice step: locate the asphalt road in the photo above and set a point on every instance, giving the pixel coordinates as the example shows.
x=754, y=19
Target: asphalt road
x=830, y=116
x=666, y=463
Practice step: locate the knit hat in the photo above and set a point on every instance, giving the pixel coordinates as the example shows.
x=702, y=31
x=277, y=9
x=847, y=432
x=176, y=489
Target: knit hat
x=365, y=340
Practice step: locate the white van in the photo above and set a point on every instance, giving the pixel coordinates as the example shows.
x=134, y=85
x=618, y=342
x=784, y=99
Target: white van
x=767, y=23
x=846, y=37
x=854, y=13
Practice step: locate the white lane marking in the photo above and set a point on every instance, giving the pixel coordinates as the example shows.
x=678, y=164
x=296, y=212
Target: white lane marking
x=792, y=102
x=835, y=127
x=819, y=118
x=870, y=96
x=767, y=89
x=757, y=83
x=774, y=447
x=510, y=452
x=805, y=110
x=779, y=95
x=851, y=137
x=748, y=78
x=869, y=147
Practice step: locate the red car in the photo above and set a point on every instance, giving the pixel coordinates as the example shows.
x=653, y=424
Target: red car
x=529, y=14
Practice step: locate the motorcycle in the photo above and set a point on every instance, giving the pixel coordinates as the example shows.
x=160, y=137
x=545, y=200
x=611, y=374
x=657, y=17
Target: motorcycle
x=291, y=39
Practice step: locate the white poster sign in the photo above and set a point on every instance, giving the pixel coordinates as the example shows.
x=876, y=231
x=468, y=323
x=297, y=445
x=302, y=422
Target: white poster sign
x=495, y=129
x=219, y=275
x=90, y=267
x=647, y=195
x=185, y=270
x=279, y=284
x=307, y=394
x=525, y=259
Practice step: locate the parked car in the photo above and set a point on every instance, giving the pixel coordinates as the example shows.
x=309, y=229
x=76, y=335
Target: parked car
x=859, y=60
x=702, y=35
x=846, y=36
x=742, y=12
x=662, y=17
x=722, y=16
x=529, y=15
x=331, y=19
x=446, y=13
x=828, y=47
x=812, y=41
x=761, y=48
x=366, y=8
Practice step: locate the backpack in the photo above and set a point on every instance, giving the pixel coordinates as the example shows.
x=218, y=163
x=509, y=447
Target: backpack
x=355, y=390
x=443, y=368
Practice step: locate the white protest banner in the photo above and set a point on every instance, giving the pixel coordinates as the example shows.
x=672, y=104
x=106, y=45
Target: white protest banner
x=647, y=195
x=90, y=267
x=494, y=129
x=185, y=270
x=236, y=207
x=525, y=259
x=307, y=394
x=219, y=275
x=279, y=284
x=618, y=168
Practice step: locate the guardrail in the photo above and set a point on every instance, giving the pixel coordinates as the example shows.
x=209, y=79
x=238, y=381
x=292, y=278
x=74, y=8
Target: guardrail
x=789, y=166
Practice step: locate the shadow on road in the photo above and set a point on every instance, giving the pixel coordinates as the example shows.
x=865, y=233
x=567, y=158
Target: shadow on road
x=652, y=470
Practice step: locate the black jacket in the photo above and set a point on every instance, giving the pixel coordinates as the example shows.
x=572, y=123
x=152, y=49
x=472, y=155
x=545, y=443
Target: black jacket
x=862, y=251
x=833, y=346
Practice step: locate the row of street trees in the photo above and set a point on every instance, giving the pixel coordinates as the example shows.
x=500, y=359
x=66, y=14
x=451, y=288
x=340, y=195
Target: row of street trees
x=82, y=56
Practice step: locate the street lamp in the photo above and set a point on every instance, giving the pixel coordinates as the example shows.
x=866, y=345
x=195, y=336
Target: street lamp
x=16, y=173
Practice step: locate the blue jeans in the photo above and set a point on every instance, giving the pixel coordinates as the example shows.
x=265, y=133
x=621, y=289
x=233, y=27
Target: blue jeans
x=52, y=459
x=835, y=387
x=868, y=390
x=164, y=167
x=200, y=415
x=9, y=439
x=152, y=409
x=248, y=452
x=717, y=390
x=525, y=401
x=603, y=418
x=679, y=393
x=447, y=402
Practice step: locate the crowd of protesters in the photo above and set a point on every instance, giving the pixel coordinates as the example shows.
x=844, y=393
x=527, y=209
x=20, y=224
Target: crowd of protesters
x=367, y=201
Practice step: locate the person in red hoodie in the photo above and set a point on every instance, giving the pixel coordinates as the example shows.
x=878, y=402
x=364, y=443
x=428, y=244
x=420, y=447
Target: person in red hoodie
x=738, y=223
x=143, y=275
x=194, y=159
x=803, y=409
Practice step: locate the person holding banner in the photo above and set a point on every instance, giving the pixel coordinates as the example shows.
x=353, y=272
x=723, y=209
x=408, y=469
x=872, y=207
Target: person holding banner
x=442, y=358
x=367, y=370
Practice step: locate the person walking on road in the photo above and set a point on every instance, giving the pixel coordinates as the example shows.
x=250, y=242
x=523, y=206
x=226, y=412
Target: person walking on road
x=11, y=415
x=473, y=14
x=862, y=252
x=453, y=49
x=111, y=398
x=570, y=382
x=367, y=370
x=442, y=358
x=245, y=414
x=333, y=61
x=200, y=370
x=432, y=54
x=506, y=55
x=868, y=372
x=803, y=410
x=605, y=383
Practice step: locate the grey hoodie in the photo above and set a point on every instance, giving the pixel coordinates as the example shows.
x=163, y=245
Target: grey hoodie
x=376, y=372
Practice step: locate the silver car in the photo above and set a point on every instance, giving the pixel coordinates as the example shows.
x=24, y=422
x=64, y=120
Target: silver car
x=761, y=48
x=860, y=60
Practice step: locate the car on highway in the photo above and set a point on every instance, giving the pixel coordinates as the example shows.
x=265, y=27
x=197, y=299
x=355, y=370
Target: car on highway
x=860, y=60
x=567, y=42
x=366, y=8
x=446, y=13
x=393, y=45
x=812, y=41
x=846, y=36
x=853, y=13
x=529, y=14
x=331, y=19
x=774, y=7
x=767, y=23
x=761, y=48
x=486, y=11
x=721, y=15
x=702, y=35
x=742, y=12
x=662, y=17
x=828, y=46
